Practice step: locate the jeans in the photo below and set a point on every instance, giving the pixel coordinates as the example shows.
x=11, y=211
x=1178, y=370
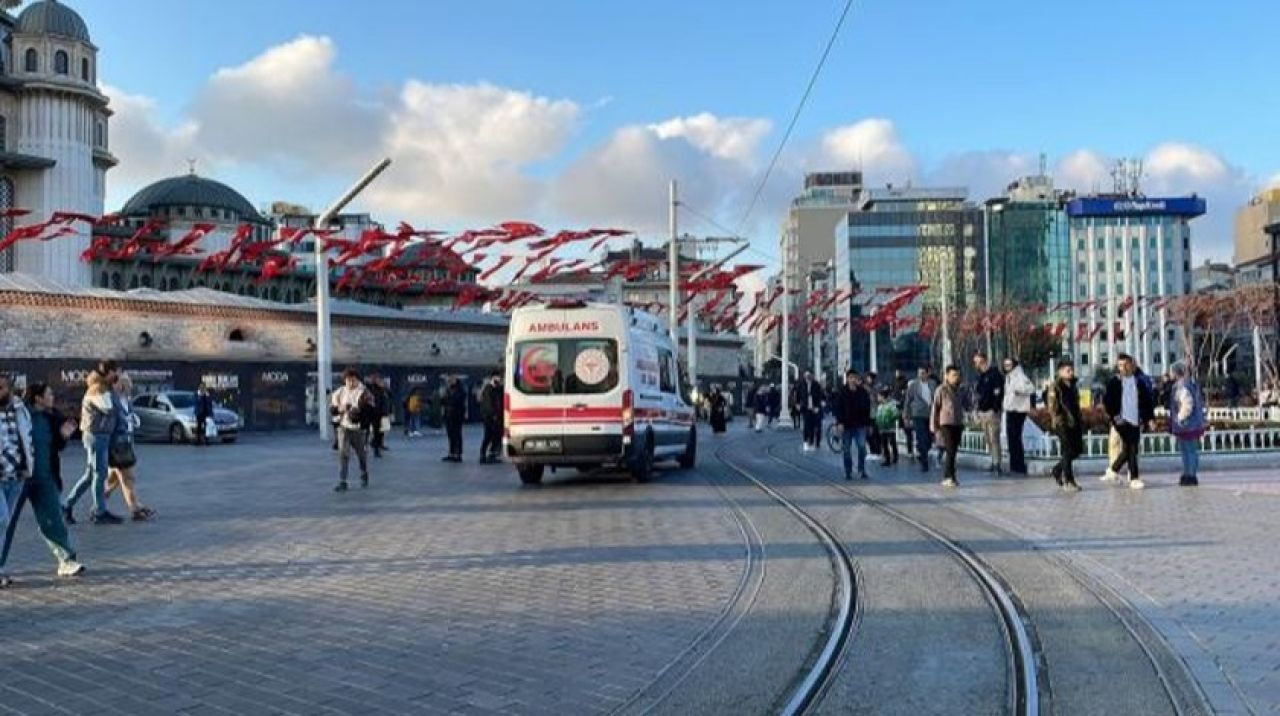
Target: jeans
x=10, y=498
x=848, y=436
x=413, y=423
x=1190, y=450
x=43, y=496
x=924, y=439
x=1130, y=439
x=812, y=427
x=1014, y=423
x=96, y=448
x=351, y=439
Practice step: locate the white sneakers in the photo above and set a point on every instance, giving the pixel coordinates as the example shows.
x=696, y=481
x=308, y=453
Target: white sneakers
x=1136, y=484
x=807, y=447
x=1109, y=476
x=70, y=568
x=950, y=482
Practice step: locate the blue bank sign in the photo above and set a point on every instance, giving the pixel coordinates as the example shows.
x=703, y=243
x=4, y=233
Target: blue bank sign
x=1140, y=206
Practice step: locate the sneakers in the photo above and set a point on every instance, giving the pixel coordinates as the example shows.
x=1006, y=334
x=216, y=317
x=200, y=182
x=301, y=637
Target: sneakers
x=1188, y=481
x=364, y=481
x=70, y=568
x=105, y=518
x=5, y=581
x=1109, y=476
x=341, y=487
x=1070, y=487
x=950, y=482
x=1136, y=484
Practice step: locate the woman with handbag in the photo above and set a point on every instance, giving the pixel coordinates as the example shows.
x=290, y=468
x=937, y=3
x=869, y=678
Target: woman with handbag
x=97, y=426
x=122, y=458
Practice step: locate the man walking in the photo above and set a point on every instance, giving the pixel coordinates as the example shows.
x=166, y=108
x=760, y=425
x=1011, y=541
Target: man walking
x=1018, y=390
x=947, y=420
x=491, y=411
x=204, y=413
x=1064, y=415
x=1187, y=422
x=852, y=412
x=918, y=407
x=989, y=392
x=454, y=407
x=810, y=399
x=352, y=404
x=900, y=383
x=381, y=409
x=1130, y=406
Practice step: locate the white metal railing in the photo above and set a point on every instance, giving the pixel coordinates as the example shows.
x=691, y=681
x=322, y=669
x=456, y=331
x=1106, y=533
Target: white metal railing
x=1266, y=415
x=1218, y=442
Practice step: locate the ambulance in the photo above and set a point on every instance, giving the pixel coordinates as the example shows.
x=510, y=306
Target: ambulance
x=592, y=384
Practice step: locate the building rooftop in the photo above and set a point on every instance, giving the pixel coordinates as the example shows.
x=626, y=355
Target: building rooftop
x=190, y=190
x=50, y=17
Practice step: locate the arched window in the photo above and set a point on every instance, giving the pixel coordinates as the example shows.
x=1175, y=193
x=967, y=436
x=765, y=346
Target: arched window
x=236, y=335
x=146, y=281
x=116, y=283
x=133, y=281
x=105, y=280
x=31, y=63
x=61, y=64
x=84, y=69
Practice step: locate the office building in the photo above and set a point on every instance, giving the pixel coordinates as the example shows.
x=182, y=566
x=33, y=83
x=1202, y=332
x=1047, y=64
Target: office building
x=906, y=236
x=1029, y=246
x=1251, y=240
x=1129, y=252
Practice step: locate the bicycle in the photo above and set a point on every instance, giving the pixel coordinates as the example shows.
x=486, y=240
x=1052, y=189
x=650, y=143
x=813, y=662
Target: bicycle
x=833, y=438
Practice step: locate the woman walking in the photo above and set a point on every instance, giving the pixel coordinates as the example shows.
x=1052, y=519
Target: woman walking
x=717, y=405
x=39, y=431
x=123, y=460
x=97, y=425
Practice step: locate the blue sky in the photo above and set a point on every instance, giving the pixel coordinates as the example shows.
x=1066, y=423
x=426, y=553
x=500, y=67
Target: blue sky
x=962, y=89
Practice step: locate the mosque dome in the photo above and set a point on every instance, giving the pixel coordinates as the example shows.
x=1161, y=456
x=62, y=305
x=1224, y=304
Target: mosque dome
x=50, y=17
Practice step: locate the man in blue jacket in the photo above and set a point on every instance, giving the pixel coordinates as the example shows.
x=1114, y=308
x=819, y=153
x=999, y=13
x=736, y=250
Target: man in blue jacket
x=1130, y=404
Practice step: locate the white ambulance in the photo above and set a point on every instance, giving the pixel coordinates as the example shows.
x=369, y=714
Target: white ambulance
x=592, y=384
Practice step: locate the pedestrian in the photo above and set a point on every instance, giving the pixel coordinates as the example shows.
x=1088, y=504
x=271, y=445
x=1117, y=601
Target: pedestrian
x=888, y=415
x=775, y=404
x=852, y=413
x=27, y=445
x=989, y=392
x=1018, y=391
x=810, y=400
x=98, y=418
x=900, y=383
x=947, y=420
x=1130, y=405
x=352, y=404
x=491, y=412
x=455, y=409
x=918, y=408
x=413, y=414
x=719, y=408
x=122, y=459
x=204, y=413
x=1187, y=422
x=761, y=407
x=873, y=431
x=1063, y=401
x=381, y=410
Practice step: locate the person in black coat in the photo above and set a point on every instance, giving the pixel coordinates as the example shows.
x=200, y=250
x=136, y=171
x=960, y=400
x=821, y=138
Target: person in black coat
x=381, y=409
x=1130, y=403
x=718, y=408
x=852, y=413
x=810, y=401
x=454, y=406
x=491, y=411
x=1064, y=414
x=204, y=413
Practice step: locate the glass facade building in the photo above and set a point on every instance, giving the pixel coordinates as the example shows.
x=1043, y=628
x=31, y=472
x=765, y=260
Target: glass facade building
x=1128, y=251
x=1029, y=250
x=901, y=237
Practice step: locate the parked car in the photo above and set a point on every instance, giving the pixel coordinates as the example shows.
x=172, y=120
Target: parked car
x=171, y=416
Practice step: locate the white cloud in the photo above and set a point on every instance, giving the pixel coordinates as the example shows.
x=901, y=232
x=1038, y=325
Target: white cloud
x=461, y=150
x=871, y=145
x=985, y=174
x=1273, y=181
x=146, y=150
x=733, y=138
x=1084, y=171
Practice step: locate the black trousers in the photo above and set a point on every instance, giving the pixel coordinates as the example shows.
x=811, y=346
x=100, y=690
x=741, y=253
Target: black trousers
x=950, y=435
x=1072, y=442
x=453, y=428
x=379, y=437
x=1130, y=439
x=492, y=443
x=812, y=427
x=889, y=446
x=1014, y=423
x=911, y=437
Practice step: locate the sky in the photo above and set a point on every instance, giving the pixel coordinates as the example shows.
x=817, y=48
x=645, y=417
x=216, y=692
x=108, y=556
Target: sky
x=577, y=112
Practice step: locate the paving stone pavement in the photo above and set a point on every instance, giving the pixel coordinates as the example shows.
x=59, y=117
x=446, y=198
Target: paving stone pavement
x=440, y=589
x=1201, y=564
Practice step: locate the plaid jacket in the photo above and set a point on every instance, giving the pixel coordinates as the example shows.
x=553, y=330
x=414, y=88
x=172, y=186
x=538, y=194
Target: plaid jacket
x=15, y=442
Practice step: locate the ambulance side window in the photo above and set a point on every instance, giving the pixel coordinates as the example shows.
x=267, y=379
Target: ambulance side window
x=666, y=364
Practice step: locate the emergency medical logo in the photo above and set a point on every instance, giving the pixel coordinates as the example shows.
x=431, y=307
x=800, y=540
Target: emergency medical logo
x=538, y=366
x=592, y=366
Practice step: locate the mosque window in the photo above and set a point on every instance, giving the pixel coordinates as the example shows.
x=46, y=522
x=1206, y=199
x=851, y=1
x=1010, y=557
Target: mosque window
x=32, y=61
x=99, y=135
x=61, y=63
x=84, y=69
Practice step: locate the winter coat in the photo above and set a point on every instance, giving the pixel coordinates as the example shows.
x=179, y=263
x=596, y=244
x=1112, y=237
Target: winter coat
x=1064, y=406
x=352, y=406
x=1113, y=398
x=1018, y=390
x=919, y=398
x=802, y=391
x=1186, y=411
x=22, y=418
x=852, y=407
x=491, y=401
x=97, y=414
x=454, y=404
x=948, y=407
x=989, y=390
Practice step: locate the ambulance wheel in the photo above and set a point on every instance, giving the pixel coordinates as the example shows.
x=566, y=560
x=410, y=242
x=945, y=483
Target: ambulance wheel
x=642, y=465
x=530, y=474
x=690, y=456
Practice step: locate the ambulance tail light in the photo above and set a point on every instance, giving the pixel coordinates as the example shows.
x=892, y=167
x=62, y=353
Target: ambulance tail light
x=628, y=415
x=506, y=415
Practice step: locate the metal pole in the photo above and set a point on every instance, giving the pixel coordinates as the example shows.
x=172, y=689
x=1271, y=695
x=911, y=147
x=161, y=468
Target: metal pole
x=784, y=418
x=691, y=326
x=324, y=333
x=986, y=272
x=946, y=329
x=1257, y=360
x=673, y=271
x=874, y=360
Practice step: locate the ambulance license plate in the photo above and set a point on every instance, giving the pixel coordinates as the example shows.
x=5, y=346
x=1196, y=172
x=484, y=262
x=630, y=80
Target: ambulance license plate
x=544, y=445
